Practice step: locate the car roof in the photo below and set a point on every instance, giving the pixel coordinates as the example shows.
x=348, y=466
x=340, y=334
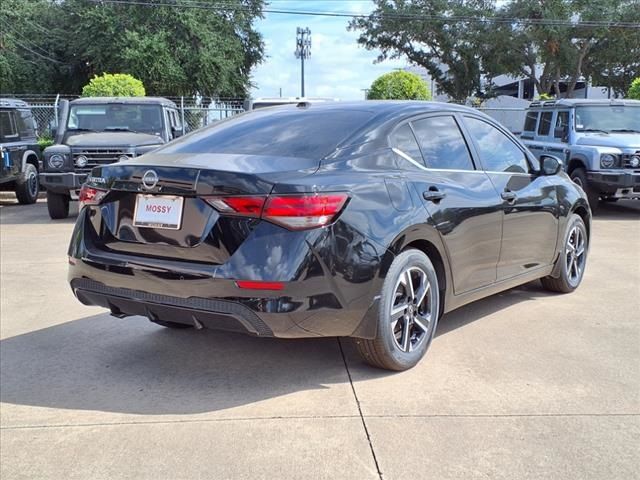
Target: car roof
x=572, y=102
x=131, y=100
x=379, y=108
x=13, y=103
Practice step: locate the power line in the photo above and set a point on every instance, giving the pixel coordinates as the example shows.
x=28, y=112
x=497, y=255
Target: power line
x=399, y=16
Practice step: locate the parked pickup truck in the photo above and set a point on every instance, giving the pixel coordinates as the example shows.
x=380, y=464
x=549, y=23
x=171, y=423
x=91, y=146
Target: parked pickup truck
x=598, y=140
x=98, y=131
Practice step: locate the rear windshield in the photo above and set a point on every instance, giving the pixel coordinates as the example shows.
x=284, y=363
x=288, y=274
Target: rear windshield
x=283, y=132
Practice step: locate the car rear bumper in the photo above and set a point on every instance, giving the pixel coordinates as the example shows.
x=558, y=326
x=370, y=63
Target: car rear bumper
x=315, y=300
x=616, y=183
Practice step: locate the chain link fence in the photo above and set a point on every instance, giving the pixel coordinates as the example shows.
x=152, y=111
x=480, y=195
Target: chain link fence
x=198, y=113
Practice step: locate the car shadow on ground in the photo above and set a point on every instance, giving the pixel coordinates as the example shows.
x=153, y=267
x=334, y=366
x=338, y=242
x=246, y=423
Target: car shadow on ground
x=620, y=210
x=13, y=213
x=132, y=366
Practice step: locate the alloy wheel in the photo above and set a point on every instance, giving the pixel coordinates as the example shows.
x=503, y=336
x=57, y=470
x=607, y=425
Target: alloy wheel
x=412, y=310
x=575, y=255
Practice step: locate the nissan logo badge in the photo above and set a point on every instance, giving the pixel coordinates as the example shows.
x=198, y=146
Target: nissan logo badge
x=149, y=179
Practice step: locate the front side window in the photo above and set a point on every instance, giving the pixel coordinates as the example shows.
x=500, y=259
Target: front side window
x=608, y=118
x=497, y=151
x=116, y=117
x=545, y=123
x=26, y=124
x=442, y=143
x=7, y=126
x=404, y=140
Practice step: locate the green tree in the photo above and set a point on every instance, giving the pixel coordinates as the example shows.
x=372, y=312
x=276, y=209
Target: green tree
x=419, y=31
x=551, y=54
x=398, y=85
x=174, y=48
x=114, y=85
x=634, y=89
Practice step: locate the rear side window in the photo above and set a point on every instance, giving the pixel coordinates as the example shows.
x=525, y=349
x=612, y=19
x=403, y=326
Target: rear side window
x=7, y=125
x=442, y=143
x=288, y=132
x=404, y=140
x=545, y=123
x=530, y=122
x=497, y=152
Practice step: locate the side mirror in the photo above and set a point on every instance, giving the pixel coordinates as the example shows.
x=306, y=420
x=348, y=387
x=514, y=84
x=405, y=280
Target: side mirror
x=550, y=165
x=176, y=132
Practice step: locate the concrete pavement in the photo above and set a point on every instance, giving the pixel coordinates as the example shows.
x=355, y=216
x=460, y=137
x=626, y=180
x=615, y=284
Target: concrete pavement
x=525, y=384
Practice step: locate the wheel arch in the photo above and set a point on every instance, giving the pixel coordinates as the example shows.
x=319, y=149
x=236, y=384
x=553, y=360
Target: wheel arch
x=426, y=239
x=31, y=157
x=577, y=161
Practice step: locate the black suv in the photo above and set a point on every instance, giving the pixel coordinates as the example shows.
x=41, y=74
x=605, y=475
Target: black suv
x=98, y=131
x=19, y=150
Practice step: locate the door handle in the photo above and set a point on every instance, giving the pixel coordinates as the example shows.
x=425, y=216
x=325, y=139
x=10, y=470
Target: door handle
x=509, y=196
x=433, y=195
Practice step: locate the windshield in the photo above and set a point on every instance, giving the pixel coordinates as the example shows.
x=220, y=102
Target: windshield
x=607, y=118
x=116, y=117
x=303, y=133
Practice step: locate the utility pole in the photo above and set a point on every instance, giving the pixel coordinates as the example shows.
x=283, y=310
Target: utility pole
x=303, y=51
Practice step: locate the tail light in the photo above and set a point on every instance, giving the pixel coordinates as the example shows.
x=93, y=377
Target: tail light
x=295, y=212
x=90, y=196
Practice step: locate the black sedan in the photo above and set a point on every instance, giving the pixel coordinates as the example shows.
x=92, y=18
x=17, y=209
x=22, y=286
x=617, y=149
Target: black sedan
x=367, y=220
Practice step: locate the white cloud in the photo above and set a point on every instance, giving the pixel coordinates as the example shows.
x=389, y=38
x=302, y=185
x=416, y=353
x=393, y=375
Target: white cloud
x=338, y=66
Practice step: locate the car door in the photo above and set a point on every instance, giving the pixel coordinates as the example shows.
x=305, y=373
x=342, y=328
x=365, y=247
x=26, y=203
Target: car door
x=459, y=199
x=529, y=200
x=12, y=148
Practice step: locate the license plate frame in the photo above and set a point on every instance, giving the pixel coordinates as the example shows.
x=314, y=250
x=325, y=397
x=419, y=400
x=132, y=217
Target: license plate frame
x=155, y=219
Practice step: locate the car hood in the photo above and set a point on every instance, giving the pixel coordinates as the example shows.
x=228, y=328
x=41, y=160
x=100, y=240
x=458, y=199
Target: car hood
x=618, y=140
x=112, y=139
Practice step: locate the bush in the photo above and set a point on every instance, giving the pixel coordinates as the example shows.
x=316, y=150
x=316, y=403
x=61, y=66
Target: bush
x=44, y=142
x=399, y=85
x=634, y=89
x=114, y=85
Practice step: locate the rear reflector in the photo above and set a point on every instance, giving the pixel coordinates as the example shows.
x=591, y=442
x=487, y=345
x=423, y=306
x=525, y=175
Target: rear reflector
x=255, y=285
x=295, y=212
x=90, y=196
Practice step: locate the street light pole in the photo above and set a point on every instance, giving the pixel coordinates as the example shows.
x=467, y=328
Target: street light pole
x=303, y=51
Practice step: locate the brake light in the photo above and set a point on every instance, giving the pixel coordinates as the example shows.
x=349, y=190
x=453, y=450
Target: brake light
x=295, y=212
x=90, y=196
x=299, y=212
x=251, y=206
x=259, y=285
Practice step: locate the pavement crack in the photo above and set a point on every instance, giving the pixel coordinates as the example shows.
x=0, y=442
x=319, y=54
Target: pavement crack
x=364, y=423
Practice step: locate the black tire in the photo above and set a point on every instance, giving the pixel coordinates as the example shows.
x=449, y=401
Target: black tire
x=176, y=325
x=579, y=177
x=385, y=351
x=58, y=205
x=28, y=186
x=567, y=282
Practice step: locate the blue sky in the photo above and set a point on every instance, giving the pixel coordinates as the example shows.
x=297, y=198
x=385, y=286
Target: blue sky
x=338, y=66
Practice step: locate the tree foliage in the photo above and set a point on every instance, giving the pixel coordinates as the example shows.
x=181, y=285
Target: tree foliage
x=114, y=85
x=58, y=45
x=461, y=41
x=634, y=89
x=399, y=85
x=447, y=49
